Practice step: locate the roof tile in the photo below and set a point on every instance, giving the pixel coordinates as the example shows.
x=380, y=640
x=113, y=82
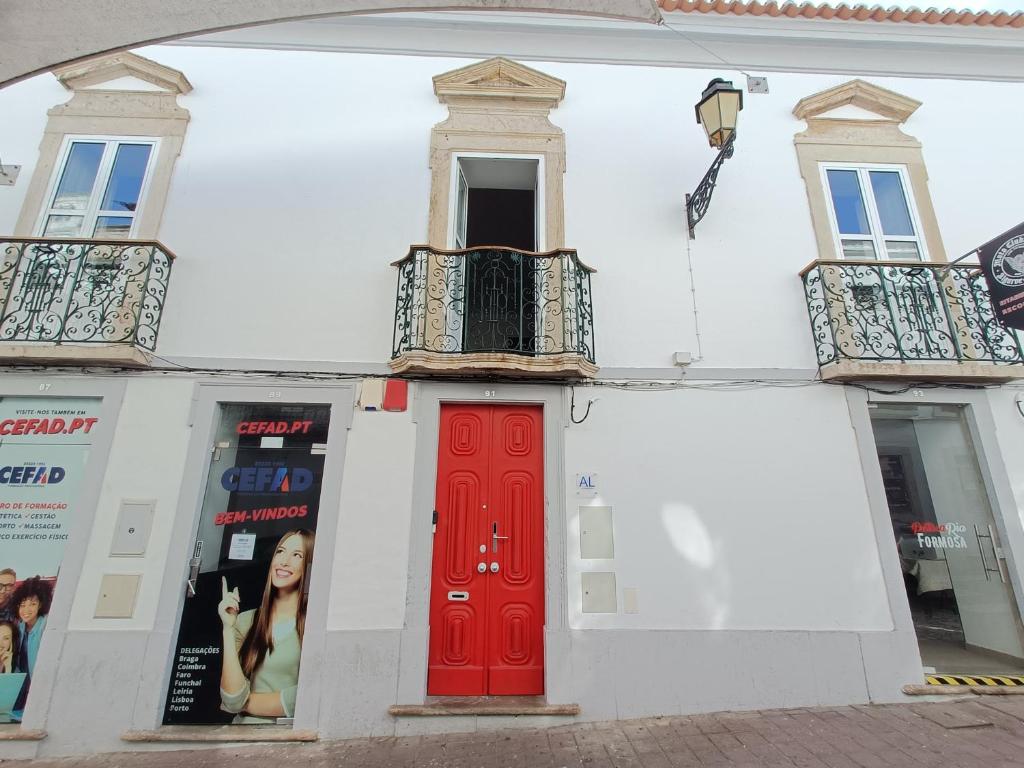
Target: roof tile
x=859, y=12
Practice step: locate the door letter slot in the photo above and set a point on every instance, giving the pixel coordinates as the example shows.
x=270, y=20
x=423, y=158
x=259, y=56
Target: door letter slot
x=458, y=596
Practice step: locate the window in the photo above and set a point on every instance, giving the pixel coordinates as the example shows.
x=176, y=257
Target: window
x=98, y=188
x=871, y=212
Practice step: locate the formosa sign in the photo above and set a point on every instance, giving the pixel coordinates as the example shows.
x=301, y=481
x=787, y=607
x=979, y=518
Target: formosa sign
x=1002, y=261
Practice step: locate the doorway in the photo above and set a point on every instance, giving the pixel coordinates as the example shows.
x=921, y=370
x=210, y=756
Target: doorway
x=243, y=621
x=954, y=566
x=487, y=577
x=496, y=208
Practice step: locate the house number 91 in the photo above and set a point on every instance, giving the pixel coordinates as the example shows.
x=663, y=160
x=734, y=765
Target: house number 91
x=489, y=393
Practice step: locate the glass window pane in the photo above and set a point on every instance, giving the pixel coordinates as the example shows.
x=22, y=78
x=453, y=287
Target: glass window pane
x=892, y=203
x=848, y=203
x=63, y=226
x=78, y=177
x=859, y=249
x=112, y=226
x=902, y=249
x=126, y=178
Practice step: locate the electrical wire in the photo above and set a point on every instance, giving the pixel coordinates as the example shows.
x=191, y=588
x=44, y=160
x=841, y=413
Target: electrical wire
x=626, y=385
x=704, y=48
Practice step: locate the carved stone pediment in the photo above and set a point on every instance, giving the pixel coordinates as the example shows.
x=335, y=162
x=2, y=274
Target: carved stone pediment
x=860, y=93
x=499, y=78
x=103, y=69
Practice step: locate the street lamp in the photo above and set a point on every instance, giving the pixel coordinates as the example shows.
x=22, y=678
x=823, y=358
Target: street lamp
x=718, y=111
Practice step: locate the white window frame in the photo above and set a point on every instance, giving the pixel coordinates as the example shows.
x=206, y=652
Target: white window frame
x=877, y=237
x=540, y=214
x=92, y=211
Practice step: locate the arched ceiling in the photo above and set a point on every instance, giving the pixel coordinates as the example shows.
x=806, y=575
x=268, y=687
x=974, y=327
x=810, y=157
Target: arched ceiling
x=37, y=35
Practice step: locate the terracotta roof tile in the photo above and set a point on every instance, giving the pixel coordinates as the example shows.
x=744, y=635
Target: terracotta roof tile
x=842, y=11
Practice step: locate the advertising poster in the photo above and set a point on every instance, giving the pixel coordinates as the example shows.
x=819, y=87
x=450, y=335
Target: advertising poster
x=1002, y=261
x=44, y=444
x=237, y=654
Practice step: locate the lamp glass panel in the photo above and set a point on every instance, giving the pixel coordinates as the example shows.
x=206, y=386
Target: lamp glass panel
x=848, y=202
x=892, y=203
x=710, y=117
x=729, y=107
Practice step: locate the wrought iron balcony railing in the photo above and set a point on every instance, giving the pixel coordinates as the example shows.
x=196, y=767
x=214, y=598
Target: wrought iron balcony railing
x=493, y=301
x=907, y=312
x=82, y=291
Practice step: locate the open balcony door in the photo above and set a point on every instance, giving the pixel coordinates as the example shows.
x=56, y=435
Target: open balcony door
x=496, y=205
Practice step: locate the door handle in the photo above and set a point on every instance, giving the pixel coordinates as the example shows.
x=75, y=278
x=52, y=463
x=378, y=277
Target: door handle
x=991, y=536
x=495, y=537
x=193, y=569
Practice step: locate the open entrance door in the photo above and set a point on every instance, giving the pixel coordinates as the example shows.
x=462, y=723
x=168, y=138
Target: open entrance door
x=962, y=603
x=487, y=582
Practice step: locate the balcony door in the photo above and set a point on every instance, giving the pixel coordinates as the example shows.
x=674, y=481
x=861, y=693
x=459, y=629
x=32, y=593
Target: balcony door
x=496, y=204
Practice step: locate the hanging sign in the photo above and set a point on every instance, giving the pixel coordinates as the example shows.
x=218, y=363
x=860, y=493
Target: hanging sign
x=1002, y=262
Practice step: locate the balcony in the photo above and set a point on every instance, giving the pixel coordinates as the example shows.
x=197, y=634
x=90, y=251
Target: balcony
x=909, y=319
x=493, y=310
x=81, y=301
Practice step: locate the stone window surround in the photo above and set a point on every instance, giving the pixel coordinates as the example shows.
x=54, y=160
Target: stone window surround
x=499, y=108
x=861, y=141
x=112, y=113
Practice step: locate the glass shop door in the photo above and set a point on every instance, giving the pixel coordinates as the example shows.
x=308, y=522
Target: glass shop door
x=954, y=565
x=242, y=623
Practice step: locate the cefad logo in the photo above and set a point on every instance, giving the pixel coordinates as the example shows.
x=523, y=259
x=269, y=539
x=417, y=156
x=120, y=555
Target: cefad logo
x=1008, y=263
x=266, y=479
x=31, y=474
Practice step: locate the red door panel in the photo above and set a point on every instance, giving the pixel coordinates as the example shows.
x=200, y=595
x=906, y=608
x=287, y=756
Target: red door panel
x=489, y=479
x=457, y=636
x=515, y=634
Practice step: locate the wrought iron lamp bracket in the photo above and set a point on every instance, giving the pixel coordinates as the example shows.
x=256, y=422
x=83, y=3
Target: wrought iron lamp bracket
x=697, y=203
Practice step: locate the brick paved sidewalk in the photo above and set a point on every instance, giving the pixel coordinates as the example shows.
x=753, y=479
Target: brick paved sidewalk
x=983, y=731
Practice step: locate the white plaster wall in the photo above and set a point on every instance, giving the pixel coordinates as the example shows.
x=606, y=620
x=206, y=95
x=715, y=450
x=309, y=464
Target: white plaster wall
x=23, y=118
x=732, y=510
x=304, y=174
x=146, y=462
x=371, y=560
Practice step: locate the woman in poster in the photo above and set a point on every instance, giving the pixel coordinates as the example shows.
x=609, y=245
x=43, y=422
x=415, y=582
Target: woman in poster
x=31, y=601
x=260, y=663
x=8, y=647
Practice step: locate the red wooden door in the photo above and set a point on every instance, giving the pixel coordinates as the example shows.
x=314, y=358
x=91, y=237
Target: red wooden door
x=487, y=625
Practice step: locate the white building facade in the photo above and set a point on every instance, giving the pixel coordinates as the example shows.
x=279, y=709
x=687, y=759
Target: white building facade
x=357, y=366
